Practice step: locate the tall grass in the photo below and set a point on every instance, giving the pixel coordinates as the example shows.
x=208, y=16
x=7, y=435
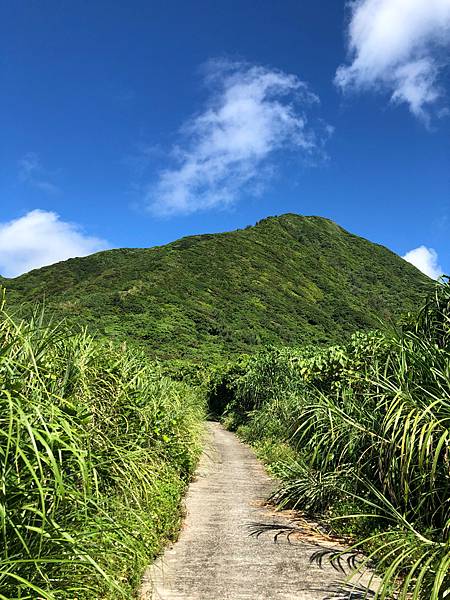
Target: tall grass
x=360, y=435
x=96, y=447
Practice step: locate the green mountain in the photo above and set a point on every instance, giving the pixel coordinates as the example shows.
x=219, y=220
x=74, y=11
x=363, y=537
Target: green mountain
x=289, y=279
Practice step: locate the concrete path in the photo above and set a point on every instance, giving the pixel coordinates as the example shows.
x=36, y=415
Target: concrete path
x=216, y=558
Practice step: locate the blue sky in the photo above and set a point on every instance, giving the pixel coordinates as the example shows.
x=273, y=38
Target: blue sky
x=133, y=124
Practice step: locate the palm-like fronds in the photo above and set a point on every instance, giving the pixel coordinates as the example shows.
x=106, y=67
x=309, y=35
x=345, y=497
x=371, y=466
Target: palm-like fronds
x=368, y=429
x=95, y=449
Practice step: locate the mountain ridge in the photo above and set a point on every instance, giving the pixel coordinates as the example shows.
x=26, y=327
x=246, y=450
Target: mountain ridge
x=287, y=279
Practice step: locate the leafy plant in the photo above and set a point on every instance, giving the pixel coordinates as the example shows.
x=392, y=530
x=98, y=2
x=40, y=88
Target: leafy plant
x=366, y=432
x=96, y=447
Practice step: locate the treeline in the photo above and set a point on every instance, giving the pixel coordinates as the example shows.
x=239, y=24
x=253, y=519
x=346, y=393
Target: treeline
x=96, y=449
x=359, y=434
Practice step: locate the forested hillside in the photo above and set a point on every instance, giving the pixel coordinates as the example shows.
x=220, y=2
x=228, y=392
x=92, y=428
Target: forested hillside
x=288, y=279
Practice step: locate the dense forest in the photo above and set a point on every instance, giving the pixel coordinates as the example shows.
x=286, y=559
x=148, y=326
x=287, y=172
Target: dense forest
x=288, y=280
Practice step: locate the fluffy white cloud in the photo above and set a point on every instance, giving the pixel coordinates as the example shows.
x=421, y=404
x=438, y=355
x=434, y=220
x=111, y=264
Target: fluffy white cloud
x=399, y=46
x=40, y=238
x=426, y=260
x=252, y=112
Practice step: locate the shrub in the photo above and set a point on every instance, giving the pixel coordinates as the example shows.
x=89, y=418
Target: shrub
x=96, y=447
x=367, y=427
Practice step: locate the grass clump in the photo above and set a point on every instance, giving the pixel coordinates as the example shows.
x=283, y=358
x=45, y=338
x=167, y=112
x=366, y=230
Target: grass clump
x=96, y=448
x=360, y=436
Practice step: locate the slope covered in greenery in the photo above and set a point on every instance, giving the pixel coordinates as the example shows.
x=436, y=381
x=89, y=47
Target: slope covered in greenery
x=289, y=279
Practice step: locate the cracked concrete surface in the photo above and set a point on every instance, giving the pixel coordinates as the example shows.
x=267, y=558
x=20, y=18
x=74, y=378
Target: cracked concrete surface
x=216, y=558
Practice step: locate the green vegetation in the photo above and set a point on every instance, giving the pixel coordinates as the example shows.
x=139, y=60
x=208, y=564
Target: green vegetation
x=96, y=448
x=360, y=436
x=288, y=280
x=97, y=442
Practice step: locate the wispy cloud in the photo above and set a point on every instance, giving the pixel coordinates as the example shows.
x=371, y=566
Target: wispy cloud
x=142, y=159
x=41, y=238
x=252, y=113
x=426, y=260
x=398, y=46
x=32, y=172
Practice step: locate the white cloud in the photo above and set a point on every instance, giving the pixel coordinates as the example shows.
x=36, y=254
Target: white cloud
x=399, y=46
x=426, y=260
x=32, y=172
x=40, y=238
x=252, y=113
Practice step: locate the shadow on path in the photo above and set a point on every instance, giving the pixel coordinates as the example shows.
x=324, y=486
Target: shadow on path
x=226, y=548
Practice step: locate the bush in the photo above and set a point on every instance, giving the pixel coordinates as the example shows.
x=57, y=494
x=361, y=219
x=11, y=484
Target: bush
x=364, y=433
x=96, y=448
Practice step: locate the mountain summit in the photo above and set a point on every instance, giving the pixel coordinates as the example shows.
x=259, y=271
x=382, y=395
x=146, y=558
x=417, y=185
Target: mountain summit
x=289, y=279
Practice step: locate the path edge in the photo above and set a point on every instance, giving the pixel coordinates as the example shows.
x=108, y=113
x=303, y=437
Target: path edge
x=205, y=463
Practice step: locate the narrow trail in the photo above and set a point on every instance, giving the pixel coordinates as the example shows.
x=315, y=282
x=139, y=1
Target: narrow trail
x=216, y=558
